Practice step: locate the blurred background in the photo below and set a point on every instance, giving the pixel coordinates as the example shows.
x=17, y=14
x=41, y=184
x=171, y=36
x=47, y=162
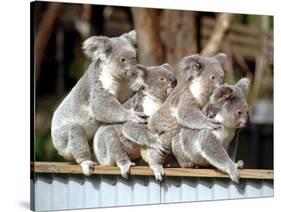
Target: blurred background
x=163, y=36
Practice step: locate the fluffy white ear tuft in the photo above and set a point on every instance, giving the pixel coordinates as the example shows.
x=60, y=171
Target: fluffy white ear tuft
x=189, y=65
x=96, y=45
x=221, y=94
x=167, y=66
x=221, y=58
x=243, y=84
x=131, y=37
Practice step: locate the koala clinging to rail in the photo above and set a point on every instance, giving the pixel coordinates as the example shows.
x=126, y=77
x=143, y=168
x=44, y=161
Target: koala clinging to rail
x=110, y=146
x=111, y=79
x=183, y=108
x=204, y=147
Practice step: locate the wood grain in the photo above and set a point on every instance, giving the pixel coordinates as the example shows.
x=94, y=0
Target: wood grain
x=68, y=168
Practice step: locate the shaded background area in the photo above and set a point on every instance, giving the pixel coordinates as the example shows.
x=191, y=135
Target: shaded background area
x=163, y=36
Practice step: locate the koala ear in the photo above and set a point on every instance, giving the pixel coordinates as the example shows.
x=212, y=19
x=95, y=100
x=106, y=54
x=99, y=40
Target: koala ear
x=243, y=84
x=96, y=46
x=190, y=63
x=167, y=66
x=142, y=68
x=131, y=37
x=222, y=93
x=221, y=58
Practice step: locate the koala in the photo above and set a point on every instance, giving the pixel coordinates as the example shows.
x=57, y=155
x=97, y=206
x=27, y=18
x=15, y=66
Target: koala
x=111, y=78
x=209, y=146
x=200, y=76
x=110, y=146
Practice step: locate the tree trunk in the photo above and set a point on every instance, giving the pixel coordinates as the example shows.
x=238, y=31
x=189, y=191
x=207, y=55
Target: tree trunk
x=146, y=22
x=44, y=33
x=179, y=35
x=261, y=60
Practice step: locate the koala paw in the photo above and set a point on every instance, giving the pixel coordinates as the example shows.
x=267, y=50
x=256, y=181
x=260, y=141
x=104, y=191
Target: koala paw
x=87, y=166
x=137, y=117
x=158, y=172
x=214, y=124
x=124, y=168
x=239, y=164
x=234, y=175
x=160, y=148
x=190, y=165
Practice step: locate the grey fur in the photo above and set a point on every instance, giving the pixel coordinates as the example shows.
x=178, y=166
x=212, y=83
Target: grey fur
x=110, y=146
x=183, y=108
x=209, y=147
x=111, y=79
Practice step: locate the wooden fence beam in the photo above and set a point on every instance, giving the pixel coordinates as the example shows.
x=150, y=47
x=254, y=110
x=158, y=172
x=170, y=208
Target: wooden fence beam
x=68, y=168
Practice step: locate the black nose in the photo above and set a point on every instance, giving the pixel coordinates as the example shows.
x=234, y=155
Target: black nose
x=174, y=83
x=245, y=122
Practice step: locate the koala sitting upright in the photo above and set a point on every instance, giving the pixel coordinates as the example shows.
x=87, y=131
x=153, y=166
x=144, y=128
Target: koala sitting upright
x=183, y=108
x=203, y=147
x=110, y=146
x=97, y=98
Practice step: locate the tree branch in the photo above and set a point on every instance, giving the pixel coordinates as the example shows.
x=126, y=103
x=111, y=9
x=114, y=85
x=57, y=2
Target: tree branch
x=44, y=33
x=222, y=25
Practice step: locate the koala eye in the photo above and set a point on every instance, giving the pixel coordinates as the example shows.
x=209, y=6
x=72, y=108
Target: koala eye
x=162, y=78
x=123, y=60
x=213, y=77
x=134, y=74
x=239, y=112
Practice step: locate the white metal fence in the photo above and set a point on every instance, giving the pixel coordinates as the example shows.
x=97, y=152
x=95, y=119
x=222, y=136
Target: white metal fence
x=70, y=191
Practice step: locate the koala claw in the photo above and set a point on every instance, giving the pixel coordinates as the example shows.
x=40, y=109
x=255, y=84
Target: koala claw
x=160, y=148
x=158, y=172
x=214, y=124
x=240, y=164
x=190, y=165
x=137, y=117
x=124, y=168
x=132, y=164
x=87, y=166
x=234, y=175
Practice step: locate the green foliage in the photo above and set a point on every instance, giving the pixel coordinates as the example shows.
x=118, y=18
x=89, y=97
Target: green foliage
x=77, y=66
x=44, y=149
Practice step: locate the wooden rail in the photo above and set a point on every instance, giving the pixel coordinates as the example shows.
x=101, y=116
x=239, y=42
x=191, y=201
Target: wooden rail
x=68, y=168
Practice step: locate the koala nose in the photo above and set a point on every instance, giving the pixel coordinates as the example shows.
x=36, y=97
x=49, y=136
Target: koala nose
x=244, y=122
x=174, y=83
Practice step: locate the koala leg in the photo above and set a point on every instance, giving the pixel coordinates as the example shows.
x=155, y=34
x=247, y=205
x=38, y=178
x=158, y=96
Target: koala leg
x=155, y=161
x=79, y=148
x=157, y=158
x=108, y=149
x=140, y=134
x=121, y=157
x=212, y=151
x=232, y=149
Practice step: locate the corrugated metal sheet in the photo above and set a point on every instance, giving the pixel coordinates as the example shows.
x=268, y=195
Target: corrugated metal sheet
x=59, y=191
